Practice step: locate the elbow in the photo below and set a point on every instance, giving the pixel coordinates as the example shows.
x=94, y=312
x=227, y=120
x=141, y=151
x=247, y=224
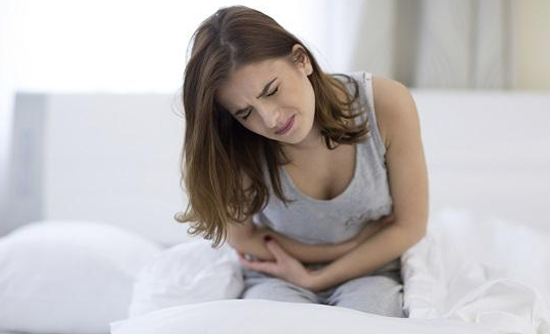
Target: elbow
x=414, y=234
x=418, y=235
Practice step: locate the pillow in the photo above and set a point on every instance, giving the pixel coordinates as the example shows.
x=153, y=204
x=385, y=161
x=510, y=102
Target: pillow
x=189, y=273
x=68, y=276
x=252, y=316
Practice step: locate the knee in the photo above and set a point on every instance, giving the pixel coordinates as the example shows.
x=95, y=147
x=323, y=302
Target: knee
x=375, y=295
x=278, y=290
x=392, y=306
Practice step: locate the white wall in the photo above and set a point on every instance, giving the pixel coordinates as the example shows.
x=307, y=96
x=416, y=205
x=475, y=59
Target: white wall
x=488, y=152
x=106, y=158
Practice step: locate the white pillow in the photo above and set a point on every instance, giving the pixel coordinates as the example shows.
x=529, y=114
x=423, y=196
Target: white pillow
x=252, y=316
x=68, y=276
x=189, y=273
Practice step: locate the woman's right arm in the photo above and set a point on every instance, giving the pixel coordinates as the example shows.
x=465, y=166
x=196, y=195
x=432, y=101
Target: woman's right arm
x=249, y=239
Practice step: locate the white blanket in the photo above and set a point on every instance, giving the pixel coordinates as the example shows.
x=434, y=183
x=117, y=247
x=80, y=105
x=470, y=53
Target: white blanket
x=486, y=272
x=481, y=271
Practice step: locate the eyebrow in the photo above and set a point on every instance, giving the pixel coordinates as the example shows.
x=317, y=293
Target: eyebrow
x=264, y=91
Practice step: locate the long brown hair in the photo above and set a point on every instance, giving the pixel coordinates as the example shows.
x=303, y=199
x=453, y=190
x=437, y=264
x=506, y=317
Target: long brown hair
x=214, y=159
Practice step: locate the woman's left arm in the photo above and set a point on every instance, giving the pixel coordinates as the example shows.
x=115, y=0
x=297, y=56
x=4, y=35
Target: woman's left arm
x=399, y=126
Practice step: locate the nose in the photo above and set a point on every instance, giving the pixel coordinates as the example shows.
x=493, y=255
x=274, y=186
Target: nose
x=270, y=116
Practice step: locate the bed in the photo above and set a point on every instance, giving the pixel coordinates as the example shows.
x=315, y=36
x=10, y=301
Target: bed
x=90, y=245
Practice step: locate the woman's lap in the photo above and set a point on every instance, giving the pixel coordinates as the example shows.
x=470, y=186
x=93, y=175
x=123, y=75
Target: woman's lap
x=380, y=293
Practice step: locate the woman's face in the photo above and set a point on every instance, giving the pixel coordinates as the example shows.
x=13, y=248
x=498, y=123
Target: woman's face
x=273, y=98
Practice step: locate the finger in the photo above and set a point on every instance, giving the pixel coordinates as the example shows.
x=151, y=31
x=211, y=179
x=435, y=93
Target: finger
x=249, y=258
x=268, y=267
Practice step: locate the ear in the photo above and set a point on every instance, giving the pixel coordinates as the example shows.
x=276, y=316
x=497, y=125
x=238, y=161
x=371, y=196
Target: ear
x=300, y=57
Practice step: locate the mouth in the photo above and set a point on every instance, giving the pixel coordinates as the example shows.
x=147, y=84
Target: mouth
x=286, y=127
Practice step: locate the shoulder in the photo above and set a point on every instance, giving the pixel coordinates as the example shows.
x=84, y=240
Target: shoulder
x=394, y=107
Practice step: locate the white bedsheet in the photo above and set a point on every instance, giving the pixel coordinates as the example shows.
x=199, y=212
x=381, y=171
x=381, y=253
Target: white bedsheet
x=487, y=273
x=253, y=316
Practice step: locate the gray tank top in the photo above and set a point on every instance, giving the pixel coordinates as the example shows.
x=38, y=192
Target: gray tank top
x=367, y=196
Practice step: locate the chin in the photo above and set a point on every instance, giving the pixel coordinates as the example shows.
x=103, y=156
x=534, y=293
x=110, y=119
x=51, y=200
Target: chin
x=299, y=136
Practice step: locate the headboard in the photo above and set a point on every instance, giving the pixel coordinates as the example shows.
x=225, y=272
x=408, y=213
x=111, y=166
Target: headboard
x=115, y=158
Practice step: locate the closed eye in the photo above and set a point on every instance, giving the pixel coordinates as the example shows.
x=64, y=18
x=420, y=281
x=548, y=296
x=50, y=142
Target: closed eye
x=270, y=94
x=274, y=91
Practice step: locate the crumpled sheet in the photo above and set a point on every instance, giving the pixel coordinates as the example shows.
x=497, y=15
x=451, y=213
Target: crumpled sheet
x=467, y=269
x=479, y=271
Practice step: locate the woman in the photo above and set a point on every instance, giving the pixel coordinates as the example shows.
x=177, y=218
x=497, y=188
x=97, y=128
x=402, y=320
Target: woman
x=318, y=181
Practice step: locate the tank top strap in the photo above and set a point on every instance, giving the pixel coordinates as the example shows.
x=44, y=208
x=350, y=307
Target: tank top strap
x=366, y=102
